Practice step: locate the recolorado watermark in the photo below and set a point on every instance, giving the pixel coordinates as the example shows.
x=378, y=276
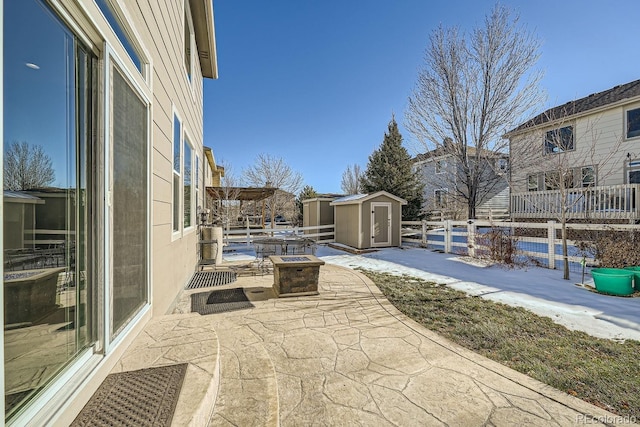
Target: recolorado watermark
x=606, y=419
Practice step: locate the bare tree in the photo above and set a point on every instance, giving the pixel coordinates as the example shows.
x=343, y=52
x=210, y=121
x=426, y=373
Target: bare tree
x=351, y=180
x=270, y=171
x=471, y=90
x=566, y=159
x=27, y=166
x=223, y=203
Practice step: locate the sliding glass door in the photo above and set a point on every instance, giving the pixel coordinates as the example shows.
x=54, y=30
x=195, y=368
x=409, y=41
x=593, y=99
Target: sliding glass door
x=49, y=105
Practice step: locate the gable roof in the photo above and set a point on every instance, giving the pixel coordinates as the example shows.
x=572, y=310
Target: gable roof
x=592, y=102
x=361, y=198
x=442, y=151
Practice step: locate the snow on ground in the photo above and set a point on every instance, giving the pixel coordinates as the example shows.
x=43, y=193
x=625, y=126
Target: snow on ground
x=539, y=290
x=575, y=317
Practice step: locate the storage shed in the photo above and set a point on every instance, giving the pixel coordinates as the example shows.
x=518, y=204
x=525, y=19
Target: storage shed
x=317, y=211
x=366, y=221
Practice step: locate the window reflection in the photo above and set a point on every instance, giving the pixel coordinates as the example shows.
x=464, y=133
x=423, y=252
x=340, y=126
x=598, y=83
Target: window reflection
x=47, y=110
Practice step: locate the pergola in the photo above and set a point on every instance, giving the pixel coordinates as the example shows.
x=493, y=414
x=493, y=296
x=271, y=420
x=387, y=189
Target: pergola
x=242, y=194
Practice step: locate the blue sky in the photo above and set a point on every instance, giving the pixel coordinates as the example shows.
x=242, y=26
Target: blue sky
x=316, y=82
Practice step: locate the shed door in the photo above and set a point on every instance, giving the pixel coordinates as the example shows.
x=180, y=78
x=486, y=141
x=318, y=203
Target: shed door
x=380, y=224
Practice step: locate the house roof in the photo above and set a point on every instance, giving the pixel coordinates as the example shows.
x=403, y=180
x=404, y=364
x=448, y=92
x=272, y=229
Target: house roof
x=443, y=151
x=20, y=197
x=588, y=103
x=361, y=198
x=204, y=29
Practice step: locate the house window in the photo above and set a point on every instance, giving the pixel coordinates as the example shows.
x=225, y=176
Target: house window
x=188, y=37
x=115, y=22
x=532, y=182
x=502, y=165
x=633, y=173
x=187, y=187
x=559, y=140
x=633, y=123
x=553, y=181
x=440, y=166
x=440, y=198
x=177, y=160
x=588, y=174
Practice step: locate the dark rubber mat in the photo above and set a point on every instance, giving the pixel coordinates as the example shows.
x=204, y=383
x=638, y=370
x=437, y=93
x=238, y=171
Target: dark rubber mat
x=146, y=397
x=219, y=301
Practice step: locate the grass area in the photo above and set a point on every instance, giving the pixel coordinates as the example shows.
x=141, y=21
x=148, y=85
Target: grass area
x=603, y=372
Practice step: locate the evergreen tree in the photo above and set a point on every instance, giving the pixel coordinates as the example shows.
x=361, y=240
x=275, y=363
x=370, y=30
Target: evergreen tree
x=307, y=193
x=390, y=169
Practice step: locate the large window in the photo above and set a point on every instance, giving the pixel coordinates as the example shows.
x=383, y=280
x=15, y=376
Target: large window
x=130, y=236
x=588, y=174
x=188, y=189
x=633, y=123
x=49, y=293
x=440, y=198
x=559, y=140
x=116, y=24
x=177, y=160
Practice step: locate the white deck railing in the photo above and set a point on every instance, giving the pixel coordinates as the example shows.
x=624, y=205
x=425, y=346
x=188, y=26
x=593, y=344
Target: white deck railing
x=610, y=202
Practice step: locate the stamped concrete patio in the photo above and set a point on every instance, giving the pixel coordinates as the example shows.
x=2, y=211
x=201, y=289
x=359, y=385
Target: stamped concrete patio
x=344, y=357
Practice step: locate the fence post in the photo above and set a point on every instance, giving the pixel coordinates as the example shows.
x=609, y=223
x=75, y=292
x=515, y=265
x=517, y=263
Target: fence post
x=471, y=238
x=447, y=236
x=551, y=243
x=248, y=235
x=424, y=233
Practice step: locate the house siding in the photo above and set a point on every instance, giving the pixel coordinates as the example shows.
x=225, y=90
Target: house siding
x=596, y=136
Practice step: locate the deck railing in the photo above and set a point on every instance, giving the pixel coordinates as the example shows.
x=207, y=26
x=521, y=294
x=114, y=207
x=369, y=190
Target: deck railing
x=606, y=202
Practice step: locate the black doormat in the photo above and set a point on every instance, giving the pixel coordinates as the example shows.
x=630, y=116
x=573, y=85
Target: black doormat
x=205, y=279
x=219, y=301
x=146, y=397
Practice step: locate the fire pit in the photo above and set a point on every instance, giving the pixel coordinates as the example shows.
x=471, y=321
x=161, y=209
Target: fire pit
x=295, y=275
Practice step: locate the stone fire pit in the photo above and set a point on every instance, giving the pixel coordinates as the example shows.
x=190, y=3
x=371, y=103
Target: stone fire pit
x=295, y=275
x=30, y=294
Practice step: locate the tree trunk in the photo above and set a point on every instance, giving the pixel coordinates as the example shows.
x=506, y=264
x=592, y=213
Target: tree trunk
x=565, y=255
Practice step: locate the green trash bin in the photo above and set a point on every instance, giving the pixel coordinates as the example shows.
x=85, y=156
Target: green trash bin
x=636, y=271
x=613, y=281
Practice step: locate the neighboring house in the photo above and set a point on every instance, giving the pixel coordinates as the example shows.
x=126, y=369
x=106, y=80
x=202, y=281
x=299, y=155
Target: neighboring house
x=439, y=169
x=582, y=157
x=113, y=92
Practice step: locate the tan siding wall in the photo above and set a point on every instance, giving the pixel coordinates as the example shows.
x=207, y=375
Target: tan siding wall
x=160, y=25
x=597, y=136
x=347, y=229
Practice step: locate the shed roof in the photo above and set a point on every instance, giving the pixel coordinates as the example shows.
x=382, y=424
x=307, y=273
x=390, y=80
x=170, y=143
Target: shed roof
x=361, y=198
x=20, y=197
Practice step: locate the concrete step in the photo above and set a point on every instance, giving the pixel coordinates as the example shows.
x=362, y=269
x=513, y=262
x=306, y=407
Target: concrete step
x=248, y=394
x=174, y=339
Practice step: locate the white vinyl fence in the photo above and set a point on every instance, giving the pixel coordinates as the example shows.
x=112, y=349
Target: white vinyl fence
x=321, y=233
x=535, y=243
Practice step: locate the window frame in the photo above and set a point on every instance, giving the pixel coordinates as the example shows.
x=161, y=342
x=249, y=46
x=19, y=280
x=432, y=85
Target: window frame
x=176, y=175
x=533, y=177
x=186, y=142
x=440, y=196
x=593, y=183
x=549, y=145
x=626, y=123
x=116, y=17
